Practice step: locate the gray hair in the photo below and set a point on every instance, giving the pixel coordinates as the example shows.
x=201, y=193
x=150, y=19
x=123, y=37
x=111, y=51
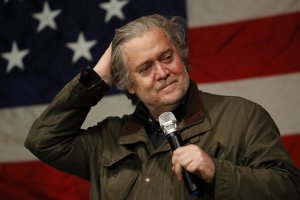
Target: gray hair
x=175, y=29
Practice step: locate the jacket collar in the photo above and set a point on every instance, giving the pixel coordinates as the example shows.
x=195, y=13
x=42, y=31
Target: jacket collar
x=194, y=121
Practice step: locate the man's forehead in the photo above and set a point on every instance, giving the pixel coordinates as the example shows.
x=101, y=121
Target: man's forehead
x=153, y=40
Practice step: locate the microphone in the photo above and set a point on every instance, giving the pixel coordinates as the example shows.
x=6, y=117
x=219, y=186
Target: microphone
x=168, y=123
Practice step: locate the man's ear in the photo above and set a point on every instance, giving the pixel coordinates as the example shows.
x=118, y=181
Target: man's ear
x=131, y=90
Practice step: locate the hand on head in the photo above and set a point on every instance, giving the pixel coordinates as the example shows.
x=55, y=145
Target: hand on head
x=103, y=67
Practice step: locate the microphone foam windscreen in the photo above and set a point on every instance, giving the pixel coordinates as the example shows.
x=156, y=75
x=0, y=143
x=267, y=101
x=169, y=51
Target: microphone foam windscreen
x=166, y=117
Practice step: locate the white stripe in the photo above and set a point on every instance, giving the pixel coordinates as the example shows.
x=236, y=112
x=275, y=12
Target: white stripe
x=14, y=125
x=16, y=122
x=280, y=95
x=116, y=105
x=211, y=12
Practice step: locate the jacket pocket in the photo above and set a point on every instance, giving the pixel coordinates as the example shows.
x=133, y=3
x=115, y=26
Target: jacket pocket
x=119, y=176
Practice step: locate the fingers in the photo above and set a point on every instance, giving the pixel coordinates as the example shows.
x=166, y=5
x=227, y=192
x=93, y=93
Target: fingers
x=178, y=171
x=181, y=160
x=194, y=160
x=103, y=66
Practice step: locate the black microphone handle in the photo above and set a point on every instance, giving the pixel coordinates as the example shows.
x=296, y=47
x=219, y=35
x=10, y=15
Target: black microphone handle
x=175, y=142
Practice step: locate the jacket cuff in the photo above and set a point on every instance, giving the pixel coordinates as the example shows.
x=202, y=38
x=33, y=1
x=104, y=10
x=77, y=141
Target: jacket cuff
x=223, y=182
x=91, y=79
x=77, y=94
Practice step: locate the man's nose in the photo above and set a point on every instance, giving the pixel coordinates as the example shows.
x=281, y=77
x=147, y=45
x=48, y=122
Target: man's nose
x=162, y=71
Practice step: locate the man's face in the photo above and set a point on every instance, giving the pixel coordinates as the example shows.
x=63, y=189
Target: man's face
x=159, y=77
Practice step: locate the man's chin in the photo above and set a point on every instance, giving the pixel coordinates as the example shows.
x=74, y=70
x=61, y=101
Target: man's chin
x=170, y=101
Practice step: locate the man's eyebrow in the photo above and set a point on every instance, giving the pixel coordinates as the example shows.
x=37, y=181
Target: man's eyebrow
x=166, y=51
x=149, y=61
x=142, y=64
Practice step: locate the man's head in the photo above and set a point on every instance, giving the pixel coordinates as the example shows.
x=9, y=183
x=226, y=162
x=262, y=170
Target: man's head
x=150, y=60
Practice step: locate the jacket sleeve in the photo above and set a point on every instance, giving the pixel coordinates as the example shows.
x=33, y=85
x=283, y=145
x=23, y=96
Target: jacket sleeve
x=266, y=170
x=56, y=137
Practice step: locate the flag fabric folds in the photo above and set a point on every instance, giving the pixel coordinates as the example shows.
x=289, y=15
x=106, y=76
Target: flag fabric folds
x=236, y=48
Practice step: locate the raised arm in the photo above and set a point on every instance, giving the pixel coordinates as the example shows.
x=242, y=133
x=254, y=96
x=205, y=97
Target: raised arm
x=56, y=136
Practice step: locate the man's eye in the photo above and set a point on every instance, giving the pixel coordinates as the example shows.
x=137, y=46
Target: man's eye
x=145, y=69
x=167, y=59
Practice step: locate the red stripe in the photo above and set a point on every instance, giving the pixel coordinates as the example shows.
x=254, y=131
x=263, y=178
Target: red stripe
x=262, y=47
x=292, y=144
x=36, y=181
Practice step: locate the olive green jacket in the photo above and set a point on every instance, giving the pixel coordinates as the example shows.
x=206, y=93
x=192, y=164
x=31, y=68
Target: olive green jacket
x=120, y=161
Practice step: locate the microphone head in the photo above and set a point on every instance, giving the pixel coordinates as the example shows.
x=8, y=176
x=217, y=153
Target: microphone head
x=168, y=122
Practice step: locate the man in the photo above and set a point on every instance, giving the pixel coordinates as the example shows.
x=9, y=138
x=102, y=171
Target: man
x=232, y=145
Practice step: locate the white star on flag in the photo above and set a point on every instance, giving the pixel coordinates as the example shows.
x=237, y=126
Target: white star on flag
x=15, y=57
x=81, y=48
x=113, y=8
x=46, y=17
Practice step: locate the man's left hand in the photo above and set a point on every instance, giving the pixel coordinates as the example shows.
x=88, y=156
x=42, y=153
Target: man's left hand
x=194, y=160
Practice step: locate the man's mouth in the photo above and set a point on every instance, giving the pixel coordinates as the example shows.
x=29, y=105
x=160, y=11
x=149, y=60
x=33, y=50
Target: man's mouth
x=166, y=85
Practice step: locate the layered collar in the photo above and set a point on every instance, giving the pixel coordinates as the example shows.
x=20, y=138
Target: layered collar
x=134, y=132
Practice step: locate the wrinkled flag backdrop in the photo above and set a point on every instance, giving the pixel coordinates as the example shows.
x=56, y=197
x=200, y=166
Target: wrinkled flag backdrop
x=237, y=47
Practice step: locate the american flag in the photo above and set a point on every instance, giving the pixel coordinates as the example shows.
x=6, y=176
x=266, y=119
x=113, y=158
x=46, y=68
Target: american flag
x=237, y=47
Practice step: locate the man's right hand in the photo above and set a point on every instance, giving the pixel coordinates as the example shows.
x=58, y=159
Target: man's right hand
x=102, y=68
